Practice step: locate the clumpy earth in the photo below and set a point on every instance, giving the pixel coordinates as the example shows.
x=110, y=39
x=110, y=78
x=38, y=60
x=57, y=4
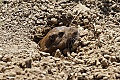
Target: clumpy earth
x=24, y=25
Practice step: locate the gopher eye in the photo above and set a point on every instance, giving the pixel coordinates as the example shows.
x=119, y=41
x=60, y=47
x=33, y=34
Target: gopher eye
x=61, y=34
x=52, y=37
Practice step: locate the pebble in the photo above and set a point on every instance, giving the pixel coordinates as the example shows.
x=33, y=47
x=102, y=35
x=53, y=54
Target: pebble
x=117, y=75
x=66, y=62
x=35, y=7
x=7, y=58
x=11, y=78
x=78, y=61
x=106, y=56
x=86, y=21
x=56, y=59
x=40, y=22
x=44, y=54
x=1, y=57
x=104, y=62
x=58, y=53
x=43, y=8
x=36, y=57
x=117, y=39
x=73, y=54
x=54, y=20
x=1, y=49
x=113, y=59
x=28, y=63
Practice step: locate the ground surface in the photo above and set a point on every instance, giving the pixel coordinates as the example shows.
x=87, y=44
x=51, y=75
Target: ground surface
x=24, y=22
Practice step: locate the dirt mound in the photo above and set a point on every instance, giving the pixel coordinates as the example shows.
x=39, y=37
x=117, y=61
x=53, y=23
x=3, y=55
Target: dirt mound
x=23, y=23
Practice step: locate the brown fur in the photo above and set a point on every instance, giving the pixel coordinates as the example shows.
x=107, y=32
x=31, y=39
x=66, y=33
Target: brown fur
x=58, y=38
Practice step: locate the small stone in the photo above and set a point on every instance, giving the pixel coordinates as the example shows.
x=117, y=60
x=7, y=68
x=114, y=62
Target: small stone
x=7, y=58
x=84, y=74
x=43, y=8
x=66, y=62
x=97, y=62
x=100, y=76
x=86, y=43
x=104, y=63
x=117, y=75
x=1, y=57
x=58, y=53
x=11, y=74
x=40, y=22
x=105, y=78
x=35, y=7
x=118, y=43
x=106, y=56
x=86, y=21
x=113, y=59
x=78, y=61
x=28, y=63
x=44, y=54
x=1, y=49
x=56, y=59
x=73, y=54
x=11, y=78
x=117, y=39
x=54, y=20
x=36, y=56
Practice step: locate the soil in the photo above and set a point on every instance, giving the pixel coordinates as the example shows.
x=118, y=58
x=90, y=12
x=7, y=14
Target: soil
x=24, y=23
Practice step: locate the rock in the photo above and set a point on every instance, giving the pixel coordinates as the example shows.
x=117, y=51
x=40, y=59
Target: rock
x=104, y=63
x=84, y=74
x=81, y=8
x=11, y=78
x=86, y=21
x=35, y=7
x=106, y=56
x=54, y=20
x=40, y=22
x=113, y=59
x=1, y=57
x=44, y=54
x=117, y=76
x=7, y=58
x=78, y=61
x=58, y=53
x=101, y=76
x=117, y=39
x=1, y=49
x=66, y=62
x=73, y=54
x=28, y=63
x=36, y=57
x=43, y=8
x=11, y=74
x=56, y=59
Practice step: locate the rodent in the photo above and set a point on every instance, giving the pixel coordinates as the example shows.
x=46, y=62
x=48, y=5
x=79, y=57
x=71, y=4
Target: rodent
x=58, y=38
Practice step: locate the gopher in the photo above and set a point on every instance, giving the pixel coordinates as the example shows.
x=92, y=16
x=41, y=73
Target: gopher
x=59, y=38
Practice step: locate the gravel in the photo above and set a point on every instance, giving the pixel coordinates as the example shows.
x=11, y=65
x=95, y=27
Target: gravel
x=23, y=23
